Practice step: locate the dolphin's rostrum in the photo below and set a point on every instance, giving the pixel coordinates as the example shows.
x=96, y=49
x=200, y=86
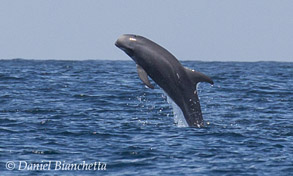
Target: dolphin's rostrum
x=177, y=81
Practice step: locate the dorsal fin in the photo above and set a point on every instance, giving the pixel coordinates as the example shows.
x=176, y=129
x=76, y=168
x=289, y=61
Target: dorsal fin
x=197, y=77
x=143, y=76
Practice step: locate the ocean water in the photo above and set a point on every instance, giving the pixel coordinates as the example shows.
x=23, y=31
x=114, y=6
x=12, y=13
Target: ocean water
x=54, y=114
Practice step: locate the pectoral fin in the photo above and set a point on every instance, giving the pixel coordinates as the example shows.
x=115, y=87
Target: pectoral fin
x=144, y=76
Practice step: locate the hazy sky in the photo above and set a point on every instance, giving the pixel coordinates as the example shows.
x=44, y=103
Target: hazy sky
x=207, y=30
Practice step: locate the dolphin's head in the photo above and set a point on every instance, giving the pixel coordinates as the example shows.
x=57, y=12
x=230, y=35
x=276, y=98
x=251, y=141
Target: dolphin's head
x=127, y=43
x=130, y=44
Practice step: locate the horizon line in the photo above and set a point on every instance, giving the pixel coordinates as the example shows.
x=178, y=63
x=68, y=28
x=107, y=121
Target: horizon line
x=199, y=60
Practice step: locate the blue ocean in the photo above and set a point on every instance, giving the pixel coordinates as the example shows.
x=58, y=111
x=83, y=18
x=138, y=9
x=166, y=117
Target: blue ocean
x=97, y=118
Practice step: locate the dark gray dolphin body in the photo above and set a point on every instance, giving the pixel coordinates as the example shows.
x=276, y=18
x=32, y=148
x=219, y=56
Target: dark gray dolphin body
x=177, y=81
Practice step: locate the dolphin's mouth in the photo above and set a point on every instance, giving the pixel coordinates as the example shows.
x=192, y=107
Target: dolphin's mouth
x=118, y=44
x=128, y=51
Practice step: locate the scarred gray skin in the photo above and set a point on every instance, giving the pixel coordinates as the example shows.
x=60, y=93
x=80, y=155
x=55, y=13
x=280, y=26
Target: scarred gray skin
x=177, y=81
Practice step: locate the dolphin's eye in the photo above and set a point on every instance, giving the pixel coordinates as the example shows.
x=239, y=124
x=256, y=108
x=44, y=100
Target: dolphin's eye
x=132, y=39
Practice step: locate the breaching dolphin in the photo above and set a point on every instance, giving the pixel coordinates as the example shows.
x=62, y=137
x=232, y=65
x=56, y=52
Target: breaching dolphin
x=177, y=81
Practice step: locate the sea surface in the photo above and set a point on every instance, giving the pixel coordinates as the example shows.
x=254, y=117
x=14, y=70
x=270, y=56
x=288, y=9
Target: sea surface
x=99, y=116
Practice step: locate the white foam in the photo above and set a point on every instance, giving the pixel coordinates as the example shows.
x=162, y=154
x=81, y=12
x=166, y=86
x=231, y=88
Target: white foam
x=178, y=114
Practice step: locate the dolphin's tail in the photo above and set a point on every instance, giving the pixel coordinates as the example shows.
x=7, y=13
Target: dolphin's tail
x=191, y=109
x=192, y=112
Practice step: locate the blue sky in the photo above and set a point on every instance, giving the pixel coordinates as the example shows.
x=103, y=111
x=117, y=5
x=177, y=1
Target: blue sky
x=207, y=30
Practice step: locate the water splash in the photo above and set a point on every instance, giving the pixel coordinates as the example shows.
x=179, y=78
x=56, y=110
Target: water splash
x=178, y=114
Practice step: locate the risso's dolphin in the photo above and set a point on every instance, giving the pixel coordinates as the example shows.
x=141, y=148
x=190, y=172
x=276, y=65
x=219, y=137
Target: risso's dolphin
x=177, y=81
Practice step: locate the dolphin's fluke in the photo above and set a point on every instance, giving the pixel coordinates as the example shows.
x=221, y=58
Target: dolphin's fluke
x=197, y=77
x=143, y=76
